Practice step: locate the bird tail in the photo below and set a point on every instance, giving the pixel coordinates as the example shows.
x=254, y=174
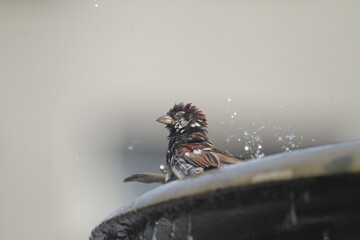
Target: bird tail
x=146, y=178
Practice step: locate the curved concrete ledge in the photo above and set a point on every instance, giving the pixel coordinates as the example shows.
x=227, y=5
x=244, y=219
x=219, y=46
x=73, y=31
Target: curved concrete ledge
x=244, y=194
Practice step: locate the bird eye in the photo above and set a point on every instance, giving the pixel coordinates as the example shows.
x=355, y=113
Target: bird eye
x=178, y=115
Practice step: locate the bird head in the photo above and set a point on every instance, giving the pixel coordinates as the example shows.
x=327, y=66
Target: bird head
x=184, y=118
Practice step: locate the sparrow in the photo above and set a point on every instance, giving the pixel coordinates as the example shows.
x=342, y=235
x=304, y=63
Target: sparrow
x=190, y=151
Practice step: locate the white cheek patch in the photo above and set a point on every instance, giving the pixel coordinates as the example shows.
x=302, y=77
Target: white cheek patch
x=180, y=125
x=187, y=154
x=183, y=123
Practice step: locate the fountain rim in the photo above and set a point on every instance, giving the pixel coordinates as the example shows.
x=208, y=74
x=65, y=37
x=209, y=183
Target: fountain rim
x=319, y=161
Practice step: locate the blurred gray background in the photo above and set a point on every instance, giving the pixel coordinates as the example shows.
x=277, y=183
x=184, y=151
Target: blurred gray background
x=82, y=82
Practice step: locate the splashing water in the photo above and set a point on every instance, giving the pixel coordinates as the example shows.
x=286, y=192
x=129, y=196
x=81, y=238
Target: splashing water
x=162, y=168
x=259, y=154
x=252, y=140
x=290, y=137
x=228, y=139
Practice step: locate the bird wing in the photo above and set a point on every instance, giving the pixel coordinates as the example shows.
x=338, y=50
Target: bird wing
x=206, y=156
x=227, y=158
x=203, y=159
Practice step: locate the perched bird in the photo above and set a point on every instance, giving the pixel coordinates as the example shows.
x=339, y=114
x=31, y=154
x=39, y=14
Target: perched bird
x=190, y=151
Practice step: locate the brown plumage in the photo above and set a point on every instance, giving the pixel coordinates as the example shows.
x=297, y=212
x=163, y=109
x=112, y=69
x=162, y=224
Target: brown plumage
x=190, y=151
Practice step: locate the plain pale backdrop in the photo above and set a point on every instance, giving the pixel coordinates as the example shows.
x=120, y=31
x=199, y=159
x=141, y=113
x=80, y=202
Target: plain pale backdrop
x=82, y=82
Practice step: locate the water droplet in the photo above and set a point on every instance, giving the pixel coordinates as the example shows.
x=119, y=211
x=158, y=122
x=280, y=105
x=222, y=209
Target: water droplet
x=235, y=113
x=287, y=149
x=293, y=145
x=239, y=139
x=290, y=137
x=229, y=99
x=246, y=133
x=246, y=147
x=279, y=138
x=259, y=146
x=96, y=5
x=130, y=147
x=228, y=139
x=162, y=167
x=281, y=106
x=262, y=127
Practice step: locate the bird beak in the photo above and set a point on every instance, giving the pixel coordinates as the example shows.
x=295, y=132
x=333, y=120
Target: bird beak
x=167, y=120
